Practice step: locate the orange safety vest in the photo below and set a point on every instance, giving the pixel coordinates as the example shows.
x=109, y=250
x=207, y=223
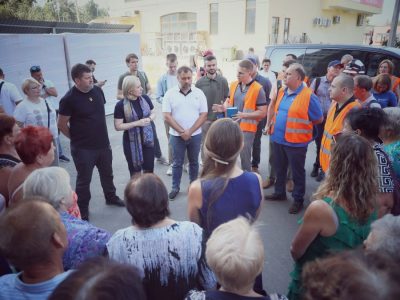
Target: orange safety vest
x=332, y=127
x=249, y=104
x=299, y=128
x=396, y=82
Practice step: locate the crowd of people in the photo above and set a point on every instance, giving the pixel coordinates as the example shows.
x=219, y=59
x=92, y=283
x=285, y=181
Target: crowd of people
x=348, y=242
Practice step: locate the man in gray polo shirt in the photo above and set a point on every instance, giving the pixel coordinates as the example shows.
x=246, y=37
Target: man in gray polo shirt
x=216, y=89
x=249, y=98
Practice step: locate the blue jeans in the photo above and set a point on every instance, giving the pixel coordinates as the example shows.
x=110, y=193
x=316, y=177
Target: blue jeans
x=179, y=146
x=295, y=158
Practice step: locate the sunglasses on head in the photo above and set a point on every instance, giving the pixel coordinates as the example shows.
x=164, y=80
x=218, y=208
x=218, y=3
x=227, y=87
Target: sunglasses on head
x=35, y=68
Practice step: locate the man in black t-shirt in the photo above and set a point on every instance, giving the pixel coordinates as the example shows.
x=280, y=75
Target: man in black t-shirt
x=82, y=119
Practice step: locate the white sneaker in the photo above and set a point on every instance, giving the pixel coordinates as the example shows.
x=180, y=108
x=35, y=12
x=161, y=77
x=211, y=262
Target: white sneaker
x=169, y=171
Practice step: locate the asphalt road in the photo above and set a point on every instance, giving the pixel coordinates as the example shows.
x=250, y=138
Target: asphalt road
x=277, y=227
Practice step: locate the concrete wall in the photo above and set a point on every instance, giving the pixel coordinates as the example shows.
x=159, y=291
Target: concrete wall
x=56, y=54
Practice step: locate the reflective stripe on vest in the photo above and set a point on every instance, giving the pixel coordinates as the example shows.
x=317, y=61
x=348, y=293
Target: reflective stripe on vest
x=332, y=127
x=299, y=128
x=249, y=104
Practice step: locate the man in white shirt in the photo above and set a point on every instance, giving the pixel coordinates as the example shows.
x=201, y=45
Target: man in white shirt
x=185, y=110
x=167, y=81
x=267, y=73
x=49, y=93
x=9, y=96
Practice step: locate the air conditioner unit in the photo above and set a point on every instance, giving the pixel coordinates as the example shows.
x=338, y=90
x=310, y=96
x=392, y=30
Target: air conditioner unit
x=336, y=19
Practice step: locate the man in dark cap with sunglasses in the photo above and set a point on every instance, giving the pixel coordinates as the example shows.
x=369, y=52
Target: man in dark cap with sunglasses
x=49, y=94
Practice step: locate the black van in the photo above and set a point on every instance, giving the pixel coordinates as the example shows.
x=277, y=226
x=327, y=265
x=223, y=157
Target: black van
x=315, y=57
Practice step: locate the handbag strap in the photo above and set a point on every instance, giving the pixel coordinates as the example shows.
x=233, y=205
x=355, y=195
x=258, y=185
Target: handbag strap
x=48, y=113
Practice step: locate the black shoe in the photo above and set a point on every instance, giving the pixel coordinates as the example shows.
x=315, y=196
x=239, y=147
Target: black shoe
x=314, y=172
x=64, y=158
x=172, y=195
x=275, y=197
x=116, y=201
x=295, y=208
x=85, y=216
x=321, y=176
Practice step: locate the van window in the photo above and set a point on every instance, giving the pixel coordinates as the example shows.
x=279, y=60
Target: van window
x=374, y=59
x=316, y=60
x=279, y=54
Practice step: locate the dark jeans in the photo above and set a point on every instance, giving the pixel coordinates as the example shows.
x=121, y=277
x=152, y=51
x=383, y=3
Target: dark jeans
x=148, y=159
x=318, y=133
x=179, y=147
x=85, y=160
x=257, y=143
x=157, y=148
x=295, y=157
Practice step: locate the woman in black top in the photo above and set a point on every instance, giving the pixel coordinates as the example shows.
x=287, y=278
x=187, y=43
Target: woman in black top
x=133, y=115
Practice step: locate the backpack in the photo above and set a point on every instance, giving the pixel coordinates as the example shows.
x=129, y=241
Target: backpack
x=317, y=83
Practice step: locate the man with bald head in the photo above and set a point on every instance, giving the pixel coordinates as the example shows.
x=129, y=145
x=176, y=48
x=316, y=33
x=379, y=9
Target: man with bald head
x=33, y=239
x=341, y=91
x=297, y=109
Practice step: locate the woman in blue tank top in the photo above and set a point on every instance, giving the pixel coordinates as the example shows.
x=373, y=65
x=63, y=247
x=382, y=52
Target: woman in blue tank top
x=223, y=192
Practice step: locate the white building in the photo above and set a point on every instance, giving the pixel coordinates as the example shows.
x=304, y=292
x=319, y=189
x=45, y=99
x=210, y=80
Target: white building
x=182, y=26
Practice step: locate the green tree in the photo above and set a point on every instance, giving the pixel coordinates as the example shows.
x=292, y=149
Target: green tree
x=52, y=10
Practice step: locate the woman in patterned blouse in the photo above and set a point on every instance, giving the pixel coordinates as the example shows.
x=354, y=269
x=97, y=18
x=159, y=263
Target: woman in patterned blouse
x=84, y=239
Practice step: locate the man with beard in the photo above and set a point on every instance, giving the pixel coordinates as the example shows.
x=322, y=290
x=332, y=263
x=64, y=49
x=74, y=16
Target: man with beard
x=216, y=89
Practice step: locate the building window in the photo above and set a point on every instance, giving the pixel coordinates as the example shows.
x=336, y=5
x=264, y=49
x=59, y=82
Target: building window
x=214, y=18
x=250, y=16
x=286, y=27
x=178, y=32
x=360, y=20
x=275, y=30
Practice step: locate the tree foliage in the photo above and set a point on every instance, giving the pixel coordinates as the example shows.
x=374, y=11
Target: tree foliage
x=52, y=10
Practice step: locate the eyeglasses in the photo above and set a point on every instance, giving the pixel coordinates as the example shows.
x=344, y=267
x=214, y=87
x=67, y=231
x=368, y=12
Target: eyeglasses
x=35, y=69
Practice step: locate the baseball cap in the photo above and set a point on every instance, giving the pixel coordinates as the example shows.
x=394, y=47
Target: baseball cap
x=251, y=58
x=356, y=66
x=35, y=69
x=207, y=52
x=335, y=63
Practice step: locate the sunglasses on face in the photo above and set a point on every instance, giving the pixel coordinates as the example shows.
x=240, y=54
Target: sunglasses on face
x=35, y=69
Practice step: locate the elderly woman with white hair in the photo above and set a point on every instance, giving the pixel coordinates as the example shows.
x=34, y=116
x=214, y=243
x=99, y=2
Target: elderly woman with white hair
x=384, y=236
x=84, y=239
x=36, y=111
x=235, y=253
x=133, y=115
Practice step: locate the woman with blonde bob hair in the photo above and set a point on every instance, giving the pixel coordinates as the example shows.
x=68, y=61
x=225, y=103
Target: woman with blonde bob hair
x=345, y=205
x=36, y=111
x=133, y=115
x=235, y=253
x=84, y=240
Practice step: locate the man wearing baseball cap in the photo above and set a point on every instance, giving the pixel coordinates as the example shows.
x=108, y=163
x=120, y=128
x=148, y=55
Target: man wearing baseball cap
x=320, y=87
